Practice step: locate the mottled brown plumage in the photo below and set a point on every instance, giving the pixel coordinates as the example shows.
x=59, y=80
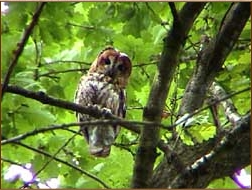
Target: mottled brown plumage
x=104, y=87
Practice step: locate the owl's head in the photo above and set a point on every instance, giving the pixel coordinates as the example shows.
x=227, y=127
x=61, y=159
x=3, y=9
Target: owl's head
x=113, y=64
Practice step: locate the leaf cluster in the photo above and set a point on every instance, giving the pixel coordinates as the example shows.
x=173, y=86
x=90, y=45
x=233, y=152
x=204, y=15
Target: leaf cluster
x=61, y=48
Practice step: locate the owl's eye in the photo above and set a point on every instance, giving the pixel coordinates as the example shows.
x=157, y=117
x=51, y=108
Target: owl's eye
x=121, y=67
x=107, y=61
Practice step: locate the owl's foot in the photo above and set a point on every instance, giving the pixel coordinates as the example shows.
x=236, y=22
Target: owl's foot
x=106, y=111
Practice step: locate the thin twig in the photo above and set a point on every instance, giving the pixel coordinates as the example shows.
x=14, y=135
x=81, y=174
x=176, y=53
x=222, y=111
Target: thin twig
x=144, y=64
x=194, y=45
x=153, y=12
x=206, y=107
x=66, y=61
x=81, y=26
x=37, y=59
x=93, y=122
x=27, y=184
x=11, y=162
x=20, y=48
x=66, y=163
x=54, y=155
x=126, y=147
x=60, y=72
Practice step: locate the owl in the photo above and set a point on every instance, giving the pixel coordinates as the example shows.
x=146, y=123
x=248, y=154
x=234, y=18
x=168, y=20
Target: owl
x=104, y=87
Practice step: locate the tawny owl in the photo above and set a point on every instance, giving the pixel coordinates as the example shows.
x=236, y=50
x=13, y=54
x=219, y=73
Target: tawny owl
x=104, y=87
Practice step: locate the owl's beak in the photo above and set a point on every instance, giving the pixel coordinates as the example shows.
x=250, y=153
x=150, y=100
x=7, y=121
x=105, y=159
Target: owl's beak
x=111, y=70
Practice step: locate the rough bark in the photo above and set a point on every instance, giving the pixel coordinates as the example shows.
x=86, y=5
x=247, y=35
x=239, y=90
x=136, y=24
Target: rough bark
x=229, y=155
x=213, y=56
x=230, y=110
x=231, y=152
x=173, y=171
x=146, y=154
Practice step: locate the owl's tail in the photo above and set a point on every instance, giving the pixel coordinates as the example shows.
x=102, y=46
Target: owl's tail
x=100, y=139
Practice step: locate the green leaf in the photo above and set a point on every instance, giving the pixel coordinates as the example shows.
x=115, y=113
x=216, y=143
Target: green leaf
x=67, y=32
x=37, y=117
x=203, y=132
x=226, y=183
x=97, y=168
x=142, y=95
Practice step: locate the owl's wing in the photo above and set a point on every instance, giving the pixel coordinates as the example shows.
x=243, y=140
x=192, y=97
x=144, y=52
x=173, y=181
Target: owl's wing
x=119, y=109
x=122, y=103
x=84, y=96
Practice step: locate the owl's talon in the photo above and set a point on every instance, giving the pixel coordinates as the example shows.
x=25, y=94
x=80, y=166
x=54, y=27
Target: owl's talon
x=106, y=111
x=94, y=107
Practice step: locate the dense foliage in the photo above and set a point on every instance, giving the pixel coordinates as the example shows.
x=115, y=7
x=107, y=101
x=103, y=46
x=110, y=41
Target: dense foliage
x=60, y=48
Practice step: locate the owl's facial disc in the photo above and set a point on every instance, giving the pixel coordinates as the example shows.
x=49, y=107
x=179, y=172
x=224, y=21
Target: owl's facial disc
x=110, y=67
x=119, y=66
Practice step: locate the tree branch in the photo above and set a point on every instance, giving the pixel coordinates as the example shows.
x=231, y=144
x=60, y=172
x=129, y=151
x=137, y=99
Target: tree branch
x=130, y=125
x=149, y=137
x=214, y=163
x=221, y=161
x=230, y=111
x=21, y=45
x=209, y=62
x=64, y=126
x=230, y=155
x=45, y=99
x=174, y=12
x=213, y=56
